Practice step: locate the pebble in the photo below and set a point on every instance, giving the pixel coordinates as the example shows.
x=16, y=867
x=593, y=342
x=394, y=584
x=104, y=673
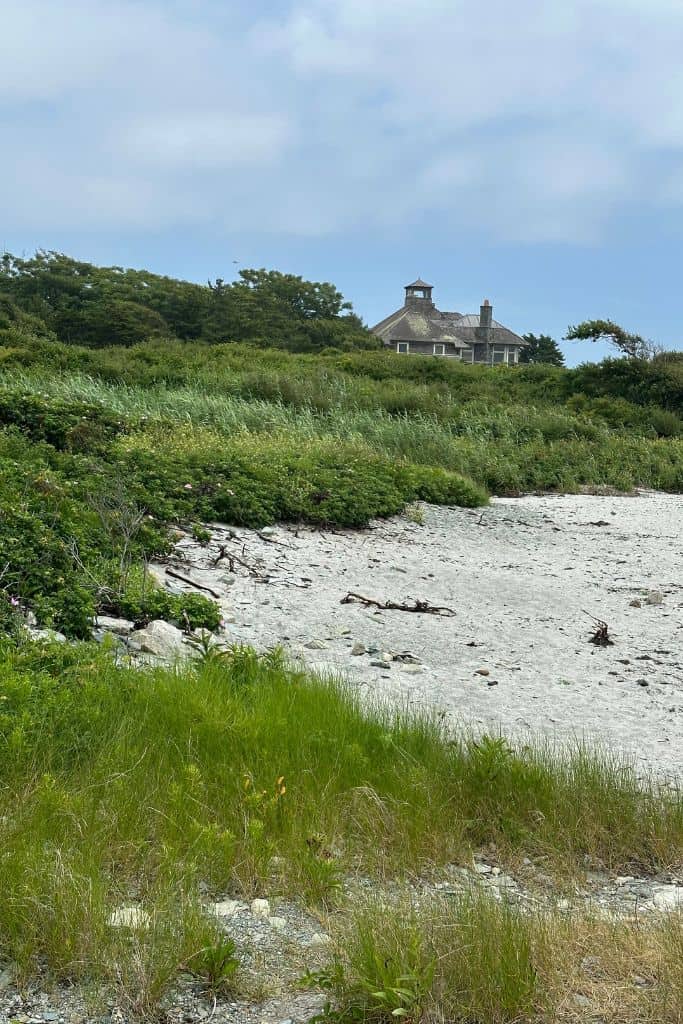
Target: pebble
x=260, y=908
x=278, y=923
x=482, y=672
x=316, y=645
x=358, y=649
x=226, y=908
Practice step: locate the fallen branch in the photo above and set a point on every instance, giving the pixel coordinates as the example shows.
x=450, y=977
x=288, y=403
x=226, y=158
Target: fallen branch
x=423, y=607
x=185, y=579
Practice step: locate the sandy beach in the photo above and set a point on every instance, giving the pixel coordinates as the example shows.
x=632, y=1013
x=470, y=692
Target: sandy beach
x=523, y=578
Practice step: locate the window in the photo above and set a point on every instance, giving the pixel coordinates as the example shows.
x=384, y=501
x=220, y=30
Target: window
x=514, y=355
x=403, y=346
x=499, y=354
x=439, y=350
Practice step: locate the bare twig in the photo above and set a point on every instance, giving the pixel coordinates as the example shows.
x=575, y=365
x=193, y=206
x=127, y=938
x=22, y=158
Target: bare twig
x=600, y=636
x=423, y=607
x=185, y=579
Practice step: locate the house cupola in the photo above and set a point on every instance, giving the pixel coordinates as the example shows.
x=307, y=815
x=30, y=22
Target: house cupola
x=419, y=293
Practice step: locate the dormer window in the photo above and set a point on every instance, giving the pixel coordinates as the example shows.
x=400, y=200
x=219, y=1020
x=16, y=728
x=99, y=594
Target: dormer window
x=403, y=347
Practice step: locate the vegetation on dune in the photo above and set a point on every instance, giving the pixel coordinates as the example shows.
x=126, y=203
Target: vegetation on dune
x=129, y=401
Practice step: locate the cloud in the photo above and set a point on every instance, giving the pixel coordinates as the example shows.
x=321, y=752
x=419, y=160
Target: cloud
x=527, y=122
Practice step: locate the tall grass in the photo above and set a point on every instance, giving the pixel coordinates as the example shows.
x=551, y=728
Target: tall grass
x=242, y=775
x=473, y=960
x=507, y=448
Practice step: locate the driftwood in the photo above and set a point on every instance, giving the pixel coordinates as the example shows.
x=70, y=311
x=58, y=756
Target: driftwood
x=192, y=583
x=600, y=636
x=423, y=607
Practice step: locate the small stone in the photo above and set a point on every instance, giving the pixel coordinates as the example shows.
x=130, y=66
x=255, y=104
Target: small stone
x=635, y=604
x=226, y=908
x=483, y=869
x=412, y=670
x=278, y=923
x=119, y=627
x=50, y=636
x=642, y=682
x=267, y=531
x=654, y=598
x=358, y=649
x=320, y=939
x=129, y=917
x=668, y=897
x=387, y=658
x=260, y=908
x=623, y=879
x=316, y=645
x=482, y=672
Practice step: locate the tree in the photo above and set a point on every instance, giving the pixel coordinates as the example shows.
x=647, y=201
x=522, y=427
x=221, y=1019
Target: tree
x=630, y=345
x=541, y=348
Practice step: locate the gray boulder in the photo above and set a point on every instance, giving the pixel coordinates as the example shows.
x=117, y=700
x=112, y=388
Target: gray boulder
x=158, y=638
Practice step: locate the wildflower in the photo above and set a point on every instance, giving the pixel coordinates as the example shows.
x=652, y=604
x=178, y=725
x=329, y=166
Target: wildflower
x=14, y=601
x=187, y=487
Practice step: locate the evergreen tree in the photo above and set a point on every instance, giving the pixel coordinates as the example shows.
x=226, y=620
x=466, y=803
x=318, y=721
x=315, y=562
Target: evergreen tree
x=541, y=348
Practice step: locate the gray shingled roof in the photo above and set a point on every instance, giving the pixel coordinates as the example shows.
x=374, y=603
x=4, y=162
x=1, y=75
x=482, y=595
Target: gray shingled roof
x=429, y=324
x=419, y=284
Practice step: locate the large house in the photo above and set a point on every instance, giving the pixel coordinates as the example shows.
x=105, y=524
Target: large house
x=419, y=328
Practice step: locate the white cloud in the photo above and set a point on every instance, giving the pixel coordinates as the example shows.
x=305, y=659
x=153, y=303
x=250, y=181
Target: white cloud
x=204, y=139
x=532, y=121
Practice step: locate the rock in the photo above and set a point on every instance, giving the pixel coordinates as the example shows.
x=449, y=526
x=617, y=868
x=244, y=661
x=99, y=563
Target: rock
x=129, y=917
x=482, y=672
x=278, y=923
x=226, y=908
x=380, y=664
x=320, y=939
x=316, y=645
x=483, y=869
x=406, y=658
x=654, y=597
x=668, y=897
x=159, y=638
x=642, y=682
x=119, y=627
x=7, y=977
x=50, y=636
x=412, y=670
x=635, y=604
x=267, y=531
x=386, y=658
x=260, y=908
x=358, y=649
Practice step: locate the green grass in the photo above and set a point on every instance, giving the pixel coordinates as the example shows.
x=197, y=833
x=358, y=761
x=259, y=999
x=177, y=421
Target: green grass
x=92, y=441
x=244, y=776
x=470, y=959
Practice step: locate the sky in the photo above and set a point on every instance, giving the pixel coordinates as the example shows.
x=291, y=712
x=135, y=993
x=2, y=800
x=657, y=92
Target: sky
x=529, y=152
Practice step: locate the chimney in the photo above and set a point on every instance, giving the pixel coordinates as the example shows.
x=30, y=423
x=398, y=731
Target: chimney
x=486, y=314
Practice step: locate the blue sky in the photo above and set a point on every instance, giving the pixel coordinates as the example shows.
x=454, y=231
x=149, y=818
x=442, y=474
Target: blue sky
x=531, y=153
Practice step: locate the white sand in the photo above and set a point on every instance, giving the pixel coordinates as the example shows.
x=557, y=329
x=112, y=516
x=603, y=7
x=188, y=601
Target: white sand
x=520, y=576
